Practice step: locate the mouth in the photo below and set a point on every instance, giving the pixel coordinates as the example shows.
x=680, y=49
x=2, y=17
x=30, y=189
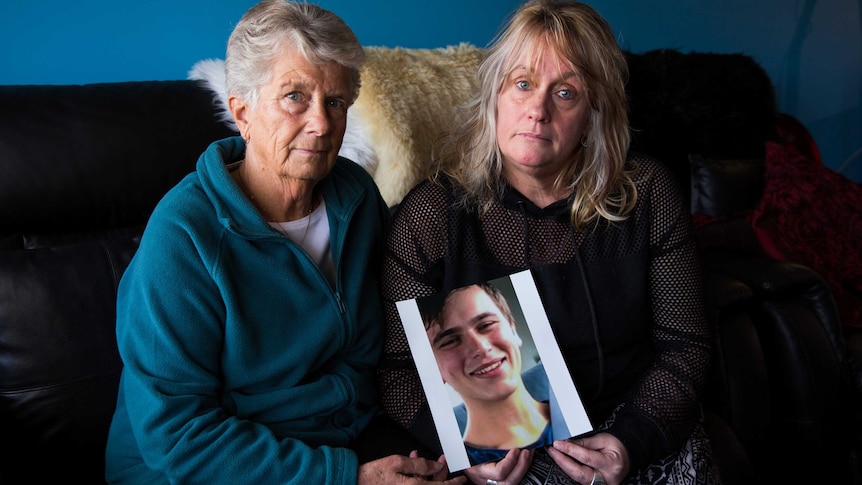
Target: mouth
x=488, y=368
x=312, y=151
x=533, y=136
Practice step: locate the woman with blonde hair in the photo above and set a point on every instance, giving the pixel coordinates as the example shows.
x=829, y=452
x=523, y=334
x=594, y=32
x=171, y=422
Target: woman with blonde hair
x=539, y=176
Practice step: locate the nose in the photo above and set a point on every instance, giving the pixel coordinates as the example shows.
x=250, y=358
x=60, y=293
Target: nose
x=477, y=344
x=317, y=119
x=538, y=108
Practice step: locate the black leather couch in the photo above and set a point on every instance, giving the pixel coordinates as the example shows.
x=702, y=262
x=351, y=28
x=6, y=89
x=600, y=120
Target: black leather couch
x=81, y=167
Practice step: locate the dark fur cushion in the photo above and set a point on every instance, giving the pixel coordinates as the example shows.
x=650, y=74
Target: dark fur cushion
x=716, y=105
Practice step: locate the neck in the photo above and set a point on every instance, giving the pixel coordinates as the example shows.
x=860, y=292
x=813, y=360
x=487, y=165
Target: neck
x=276, y=200
x=540, y=191
x=514, y=422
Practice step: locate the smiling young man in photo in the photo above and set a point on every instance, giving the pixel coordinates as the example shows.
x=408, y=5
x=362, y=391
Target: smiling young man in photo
x=478, y=351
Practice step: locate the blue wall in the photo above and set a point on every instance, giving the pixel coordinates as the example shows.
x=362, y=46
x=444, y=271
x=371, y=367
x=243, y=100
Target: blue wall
x=811, y=49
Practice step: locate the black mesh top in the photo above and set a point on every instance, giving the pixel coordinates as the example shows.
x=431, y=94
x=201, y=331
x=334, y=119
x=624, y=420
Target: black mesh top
x=625, y=301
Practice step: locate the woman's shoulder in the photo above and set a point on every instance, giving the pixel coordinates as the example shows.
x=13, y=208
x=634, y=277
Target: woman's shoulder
x=181, y=201
x=429, y=193
x=649, y=173
x=659, y=193
x=346, y=168
x=646, y=165
x=183, y=207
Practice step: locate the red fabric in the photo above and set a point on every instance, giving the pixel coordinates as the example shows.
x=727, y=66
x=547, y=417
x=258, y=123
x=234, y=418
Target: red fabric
x=791, y=131
x=812, y=215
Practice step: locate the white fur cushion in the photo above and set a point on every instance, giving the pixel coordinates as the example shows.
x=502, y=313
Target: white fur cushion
x=407, y=102
x=211, y=72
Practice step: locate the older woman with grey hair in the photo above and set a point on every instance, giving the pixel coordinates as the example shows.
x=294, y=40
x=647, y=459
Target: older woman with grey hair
x=248, y=325
x=539, y=177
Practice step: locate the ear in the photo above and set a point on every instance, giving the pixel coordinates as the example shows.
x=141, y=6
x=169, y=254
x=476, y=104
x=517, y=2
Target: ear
x=240, y=111
x=518, y=340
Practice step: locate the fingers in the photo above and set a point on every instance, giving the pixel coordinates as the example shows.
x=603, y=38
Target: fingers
x=602, y=452
x=509, y=470
x=475, y=474
x=456, y=481
x=524, y=459
x=438, y=476
x=412, y=469
x=420, y=467
x=577, y=450
x=444, y=470
x=411, y=466
x=505, y=466
x=579, y=472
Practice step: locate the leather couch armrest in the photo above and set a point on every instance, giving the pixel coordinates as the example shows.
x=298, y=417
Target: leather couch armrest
x=781, y=280
x=738, y=390
x=801, y=338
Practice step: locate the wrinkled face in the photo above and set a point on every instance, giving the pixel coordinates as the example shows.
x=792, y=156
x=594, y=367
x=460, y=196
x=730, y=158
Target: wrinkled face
x=477, y=348
x=541, y=116
x=298, y=124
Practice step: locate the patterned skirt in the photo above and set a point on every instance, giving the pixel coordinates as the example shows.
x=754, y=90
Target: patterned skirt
x=692, y=465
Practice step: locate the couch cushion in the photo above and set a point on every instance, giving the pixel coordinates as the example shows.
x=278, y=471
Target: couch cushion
x=59, y=365
x=721, y=187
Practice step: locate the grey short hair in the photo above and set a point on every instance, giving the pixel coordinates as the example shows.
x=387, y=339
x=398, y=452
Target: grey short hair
x=266, y=28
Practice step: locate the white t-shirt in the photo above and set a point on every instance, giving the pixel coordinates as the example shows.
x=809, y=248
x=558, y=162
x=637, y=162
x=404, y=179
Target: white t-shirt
x=312, y=233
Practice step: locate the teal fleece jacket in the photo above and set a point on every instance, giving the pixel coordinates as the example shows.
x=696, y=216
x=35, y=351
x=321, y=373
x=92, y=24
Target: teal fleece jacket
x=241, y=363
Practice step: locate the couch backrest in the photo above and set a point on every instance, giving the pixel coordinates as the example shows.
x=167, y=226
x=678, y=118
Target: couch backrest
x=96, y=157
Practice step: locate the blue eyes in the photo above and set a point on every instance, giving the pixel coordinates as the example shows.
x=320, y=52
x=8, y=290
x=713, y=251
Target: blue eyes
x=335, y=105
x=562, y=93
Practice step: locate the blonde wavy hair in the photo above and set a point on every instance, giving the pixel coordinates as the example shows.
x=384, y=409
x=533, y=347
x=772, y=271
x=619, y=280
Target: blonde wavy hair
x=599, y=177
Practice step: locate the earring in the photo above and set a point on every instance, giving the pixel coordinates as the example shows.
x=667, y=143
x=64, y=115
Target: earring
x=584, y=142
